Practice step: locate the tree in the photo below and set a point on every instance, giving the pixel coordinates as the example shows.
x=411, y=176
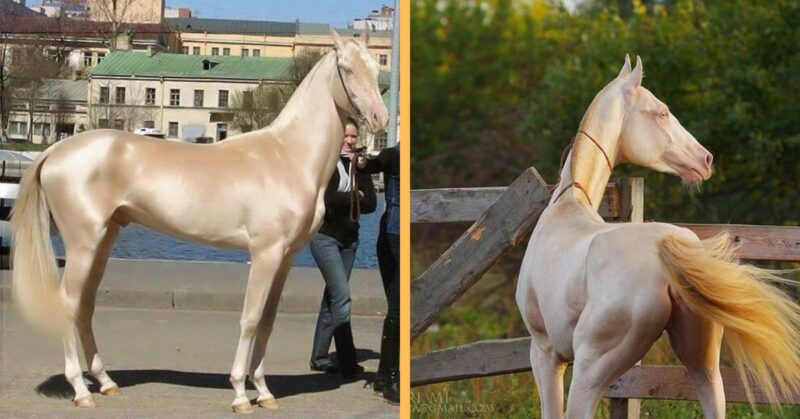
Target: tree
x=257, y=107
x=30, y=70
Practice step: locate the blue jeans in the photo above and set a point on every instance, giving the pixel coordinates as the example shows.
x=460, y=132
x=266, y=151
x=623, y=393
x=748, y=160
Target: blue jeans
x=335, y=262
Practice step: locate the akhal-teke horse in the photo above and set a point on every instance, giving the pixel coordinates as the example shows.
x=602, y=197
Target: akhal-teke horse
x=598, y=295
x=261, y=191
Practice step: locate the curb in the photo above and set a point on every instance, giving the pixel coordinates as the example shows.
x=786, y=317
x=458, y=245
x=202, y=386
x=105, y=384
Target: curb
x=215, y=286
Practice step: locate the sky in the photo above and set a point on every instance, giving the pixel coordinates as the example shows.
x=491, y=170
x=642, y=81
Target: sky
x=334, y=12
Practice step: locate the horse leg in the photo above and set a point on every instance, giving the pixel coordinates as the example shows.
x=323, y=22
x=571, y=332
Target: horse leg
x=696, y=342
x=258, y=360
x=266, y=265
x=608, y=341
x=81, y=252
x=86, y=310
x=548, y=370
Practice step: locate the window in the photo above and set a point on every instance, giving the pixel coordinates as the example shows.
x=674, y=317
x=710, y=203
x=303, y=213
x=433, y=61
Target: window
x=119, y=124
x=42, y=129
x=100, y=57
x=245, y=52
x=198, y=98
x=149, y=124
x=383, y=59
x=215, y=51
x=87, y=59
x=174, y=97
x=150, y=96
x=173, y=129
x=102, y=123
x=223, y=99
x=104, y=95
x=256, y=53
x=120, y=96
x=195, y=50
x=18, y=128
x=226, y=51
x=185, y=50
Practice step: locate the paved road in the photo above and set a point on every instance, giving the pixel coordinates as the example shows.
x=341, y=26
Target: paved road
x=175, y=363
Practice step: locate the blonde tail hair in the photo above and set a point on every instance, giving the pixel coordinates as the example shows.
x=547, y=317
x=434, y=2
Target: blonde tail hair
x=760, y=320
x=35, y=282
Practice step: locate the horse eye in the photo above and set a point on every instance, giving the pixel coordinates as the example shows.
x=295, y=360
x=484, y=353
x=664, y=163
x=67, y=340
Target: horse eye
x=663, y=114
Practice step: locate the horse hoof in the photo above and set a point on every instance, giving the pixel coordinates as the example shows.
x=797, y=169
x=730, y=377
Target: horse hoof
x=111, y=391
x=268, y=403
x=243, y=408
x=86, y=401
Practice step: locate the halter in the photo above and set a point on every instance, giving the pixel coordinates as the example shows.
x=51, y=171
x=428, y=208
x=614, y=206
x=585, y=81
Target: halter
x=359, y=115
x=576, y=184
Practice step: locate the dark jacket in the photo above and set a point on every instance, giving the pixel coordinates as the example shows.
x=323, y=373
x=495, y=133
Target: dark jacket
x=388, y=162
x=337, y=223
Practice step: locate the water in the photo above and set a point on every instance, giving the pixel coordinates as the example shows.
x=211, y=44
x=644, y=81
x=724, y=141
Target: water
x=136, y=242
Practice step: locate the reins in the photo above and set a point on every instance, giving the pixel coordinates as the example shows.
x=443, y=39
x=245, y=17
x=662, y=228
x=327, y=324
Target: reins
x=561, y=166
x=355, y=202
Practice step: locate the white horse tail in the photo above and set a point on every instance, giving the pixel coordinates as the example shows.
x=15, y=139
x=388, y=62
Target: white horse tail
x=760, y=320
x=35, y=282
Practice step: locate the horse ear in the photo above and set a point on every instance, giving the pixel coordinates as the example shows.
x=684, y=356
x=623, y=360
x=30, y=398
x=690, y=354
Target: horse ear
x=626, y=68
x=635, y=78
x=337, y=40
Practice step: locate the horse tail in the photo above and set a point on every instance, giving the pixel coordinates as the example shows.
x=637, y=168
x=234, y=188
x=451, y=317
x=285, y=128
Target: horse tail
x=760, y=320
x=35, y=282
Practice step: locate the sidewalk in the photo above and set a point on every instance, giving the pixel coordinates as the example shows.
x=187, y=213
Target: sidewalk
x=216, y=286
x=176, y=363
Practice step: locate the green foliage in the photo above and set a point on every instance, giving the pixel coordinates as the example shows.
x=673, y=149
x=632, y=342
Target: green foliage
x=501, y=85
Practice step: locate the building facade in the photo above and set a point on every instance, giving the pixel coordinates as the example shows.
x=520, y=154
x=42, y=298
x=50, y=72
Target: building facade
x=127, y=11
x=54, y=111
x=244, y=38
x=183, y=97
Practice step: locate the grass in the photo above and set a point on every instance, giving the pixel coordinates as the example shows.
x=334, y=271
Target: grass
x=23, y=146
x=488, y=311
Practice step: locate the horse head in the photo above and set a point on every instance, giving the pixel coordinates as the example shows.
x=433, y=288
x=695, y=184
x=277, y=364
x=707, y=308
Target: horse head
x=358, y=72
x=651, y=136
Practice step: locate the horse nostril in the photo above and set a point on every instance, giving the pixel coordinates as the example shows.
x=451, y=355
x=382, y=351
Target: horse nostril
x=709, y=159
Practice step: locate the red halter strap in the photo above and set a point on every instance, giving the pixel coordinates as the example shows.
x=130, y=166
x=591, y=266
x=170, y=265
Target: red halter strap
x=576, y=184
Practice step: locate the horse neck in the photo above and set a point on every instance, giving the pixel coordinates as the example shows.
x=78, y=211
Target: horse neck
x=311, y=123
x=586, y=165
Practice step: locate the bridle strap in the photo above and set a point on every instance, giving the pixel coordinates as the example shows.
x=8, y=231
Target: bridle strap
x=608, y=161
x=576, y=184
x=359, y=115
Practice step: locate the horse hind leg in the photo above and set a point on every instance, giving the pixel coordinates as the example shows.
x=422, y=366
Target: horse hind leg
x=696, y=342
x=87, y=254
x=608, y=341
x=86, y=311
x=258, y=361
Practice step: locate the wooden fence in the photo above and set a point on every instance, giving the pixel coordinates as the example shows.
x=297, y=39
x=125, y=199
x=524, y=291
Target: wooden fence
x=503, y=217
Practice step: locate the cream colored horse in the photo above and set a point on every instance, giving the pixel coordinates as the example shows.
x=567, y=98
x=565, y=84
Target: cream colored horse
x=261, y=191
x=598, y=295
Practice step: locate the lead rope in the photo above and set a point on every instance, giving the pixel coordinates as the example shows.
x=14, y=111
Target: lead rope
x=355, y=203
x=561, y=166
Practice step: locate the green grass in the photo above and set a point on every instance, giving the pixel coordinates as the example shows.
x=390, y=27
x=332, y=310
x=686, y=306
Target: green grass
x=23, y=146
x=488, y=311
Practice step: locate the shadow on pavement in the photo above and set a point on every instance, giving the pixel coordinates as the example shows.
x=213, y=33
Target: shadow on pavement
x=281, y=385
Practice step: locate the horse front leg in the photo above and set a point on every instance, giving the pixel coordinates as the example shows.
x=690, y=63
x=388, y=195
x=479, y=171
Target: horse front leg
x=263, y=278
x=258, y=360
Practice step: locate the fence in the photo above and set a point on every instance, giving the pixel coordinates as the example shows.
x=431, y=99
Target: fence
x=503, y=217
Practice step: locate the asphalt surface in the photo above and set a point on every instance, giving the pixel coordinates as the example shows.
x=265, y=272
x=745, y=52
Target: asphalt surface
x=175, y=364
